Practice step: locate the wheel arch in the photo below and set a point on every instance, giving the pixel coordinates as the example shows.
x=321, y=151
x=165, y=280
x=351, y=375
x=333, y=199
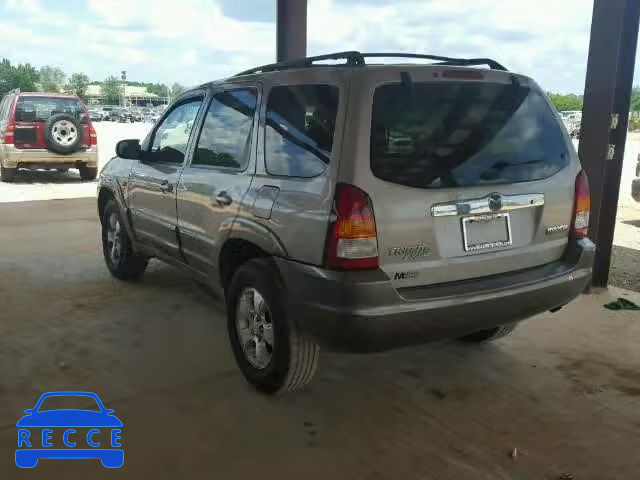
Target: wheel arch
x=108, y=191
x=247, y=240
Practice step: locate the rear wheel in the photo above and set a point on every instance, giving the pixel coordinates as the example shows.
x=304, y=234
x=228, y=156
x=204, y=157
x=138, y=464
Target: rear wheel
x=490, y=334
x=121, y=260
x=273, y=355
x=8, y=174
x=88, y=173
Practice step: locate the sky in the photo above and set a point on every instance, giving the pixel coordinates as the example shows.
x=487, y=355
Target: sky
x=194, y=41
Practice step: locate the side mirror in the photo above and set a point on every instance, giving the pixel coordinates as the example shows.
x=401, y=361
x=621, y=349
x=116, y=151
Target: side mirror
x=29, y=411
x=109, y=411
x=129, y=149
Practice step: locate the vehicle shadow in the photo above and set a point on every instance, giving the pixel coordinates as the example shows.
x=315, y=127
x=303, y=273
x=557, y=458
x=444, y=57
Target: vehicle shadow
x=25, y=176
x=633, y=223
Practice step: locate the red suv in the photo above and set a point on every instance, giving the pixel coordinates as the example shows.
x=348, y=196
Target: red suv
x=46, y=130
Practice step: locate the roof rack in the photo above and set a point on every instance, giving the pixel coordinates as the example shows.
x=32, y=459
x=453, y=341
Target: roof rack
x=354, y=58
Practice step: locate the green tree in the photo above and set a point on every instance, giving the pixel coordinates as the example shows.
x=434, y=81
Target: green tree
x=635, y=99
x=27, y=77
x=111, y=90
x=23, y=76
x=159, y=89
x=176, y=89
x=51, y=79
x=565, y=102
x=78, y=84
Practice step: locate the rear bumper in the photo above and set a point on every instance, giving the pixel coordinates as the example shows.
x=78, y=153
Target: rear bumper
x=361, y=311
x=635, y=189
x=12, y=157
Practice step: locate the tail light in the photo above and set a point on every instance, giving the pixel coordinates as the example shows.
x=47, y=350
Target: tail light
x=352, y=243
x=8, y=133
x=93, y=136
x=582, y=207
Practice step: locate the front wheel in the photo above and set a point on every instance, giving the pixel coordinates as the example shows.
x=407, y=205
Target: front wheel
x=121, y=260
x=273, y=355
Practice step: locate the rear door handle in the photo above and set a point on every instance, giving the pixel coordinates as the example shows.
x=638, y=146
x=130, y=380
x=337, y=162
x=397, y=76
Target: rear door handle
x=166, y=187
x=223, y=198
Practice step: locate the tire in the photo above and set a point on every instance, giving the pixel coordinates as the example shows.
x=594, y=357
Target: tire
x=8, y=175
x=293, y=357
x=121, y=260
x=63, y=133
x=490, y=334
x=88, y=173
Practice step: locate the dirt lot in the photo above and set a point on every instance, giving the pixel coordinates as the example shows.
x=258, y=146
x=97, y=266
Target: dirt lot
x=564, y=389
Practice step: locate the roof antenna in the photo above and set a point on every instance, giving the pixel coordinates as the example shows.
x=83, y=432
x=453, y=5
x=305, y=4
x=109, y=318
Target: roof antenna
x=407, y=83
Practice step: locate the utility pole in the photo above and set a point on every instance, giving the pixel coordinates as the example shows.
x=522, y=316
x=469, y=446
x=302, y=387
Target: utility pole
x=124, y=86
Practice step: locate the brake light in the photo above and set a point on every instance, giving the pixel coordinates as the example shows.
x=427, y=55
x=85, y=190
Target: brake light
x=352, y=242
x=8, y=133
x=93, y=136
x=582, y=207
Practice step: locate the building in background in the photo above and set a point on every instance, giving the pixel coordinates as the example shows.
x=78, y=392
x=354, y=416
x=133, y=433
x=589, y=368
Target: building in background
x=133, y=96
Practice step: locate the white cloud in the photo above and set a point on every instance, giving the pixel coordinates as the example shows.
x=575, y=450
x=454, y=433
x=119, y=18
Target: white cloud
x=192, y=41
x=545, y=39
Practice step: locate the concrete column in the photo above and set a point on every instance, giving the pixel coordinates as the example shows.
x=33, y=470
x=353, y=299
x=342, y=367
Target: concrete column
x=612, y=50
x=291, y=26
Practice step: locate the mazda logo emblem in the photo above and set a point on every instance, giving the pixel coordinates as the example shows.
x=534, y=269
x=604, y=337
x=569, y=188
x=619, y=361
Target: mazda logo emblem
x=495, y=202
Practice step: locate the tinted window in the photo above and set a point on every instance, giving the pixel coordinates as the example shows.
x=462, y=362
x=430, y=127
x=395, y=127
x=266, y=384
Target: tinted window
x=438, y=135
x=39, y=109
x=172, y=135
x=225, y=137
x=299, y=131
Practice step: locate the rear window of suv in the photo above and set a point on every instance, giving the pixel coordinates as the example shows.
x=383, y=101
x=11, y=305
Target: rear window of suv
x=39, y=109
x=457, y=134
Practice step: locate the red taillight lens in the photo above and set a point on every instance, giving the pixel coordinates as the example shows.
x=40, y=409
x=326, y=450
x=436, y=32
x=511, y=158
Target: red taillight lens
x=93, y=136
x=582, y=207
x=8, y=134
x=352, y=243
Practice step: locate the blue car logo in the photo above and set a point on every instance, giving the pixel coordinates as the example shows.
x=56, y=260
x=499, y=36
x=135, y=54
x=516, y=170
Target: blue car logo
x=92, y=432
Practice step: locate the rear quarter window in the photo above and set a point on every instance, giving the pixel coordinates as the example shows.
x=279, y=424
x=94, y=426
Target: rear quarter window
x=459, y=134
x=4, y=108
x=300, y=124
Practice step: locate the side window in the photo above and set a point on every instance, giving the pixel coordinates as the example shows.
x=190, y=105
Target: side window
x=172, y=135
x=300, y=124
x=225, y=136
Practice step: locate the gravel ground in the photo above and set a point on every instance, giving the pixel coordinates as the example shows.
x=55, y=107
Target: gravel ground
x=625, y=268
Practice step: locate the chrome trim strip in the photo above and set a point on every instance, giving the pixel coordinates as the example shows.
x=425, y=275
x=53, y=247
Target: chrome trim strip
x=478, y=206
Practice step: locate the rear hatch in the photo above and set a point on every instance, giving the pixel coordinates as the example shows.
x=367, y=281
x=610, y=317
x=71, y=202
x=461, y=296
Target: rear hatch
x=470, y=173
x=32, y=112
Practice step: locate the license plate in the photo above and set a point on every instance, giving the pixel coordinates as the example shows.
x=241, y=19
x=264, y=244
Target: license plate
x=484, y=232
